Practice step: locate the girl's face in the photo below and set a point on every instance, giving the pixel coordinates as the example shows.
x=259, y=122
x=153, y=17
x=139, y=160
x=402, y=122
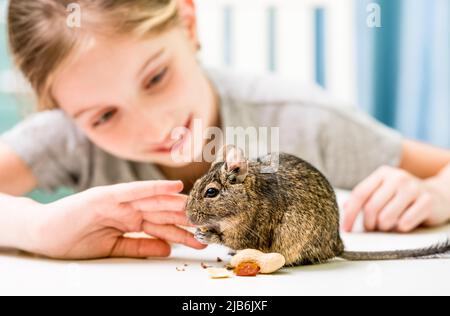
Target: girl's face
x=128, y=95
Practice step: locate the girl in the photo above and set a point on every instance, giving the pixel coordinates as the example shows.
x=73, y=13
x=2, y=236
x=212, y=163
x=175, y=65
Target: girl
x=117, y=85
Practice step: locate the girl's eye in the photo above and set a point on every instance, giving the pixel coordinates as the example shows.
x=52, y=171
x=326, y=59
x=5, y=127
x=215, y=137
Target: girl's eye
x=104, y=118
x=211, y=193
x=157, y=79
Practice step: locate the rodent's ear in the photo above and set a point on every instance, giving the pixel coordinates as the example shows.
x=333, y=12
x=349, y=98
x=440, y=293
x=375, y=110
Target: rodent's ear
x=235, y=163
x=237, y=171
x=228, y=153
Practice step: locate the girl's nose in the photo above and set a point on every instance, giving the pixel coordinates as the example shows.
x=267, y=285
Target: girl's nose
x=155, y=122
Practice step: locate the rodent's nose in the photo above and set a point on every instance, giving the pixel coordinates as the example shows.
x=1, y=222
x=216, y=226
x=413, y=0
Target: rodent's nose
x=191, y=214
x=193, y=219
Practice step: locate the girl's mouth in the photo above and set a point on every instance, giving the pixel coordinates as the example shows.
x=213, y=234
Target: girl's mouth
x=176, y=145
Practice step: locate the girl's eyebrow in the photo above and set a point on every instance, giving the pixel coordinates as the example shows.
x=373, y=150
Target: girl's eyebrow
x=88, y=109
x=149, y=61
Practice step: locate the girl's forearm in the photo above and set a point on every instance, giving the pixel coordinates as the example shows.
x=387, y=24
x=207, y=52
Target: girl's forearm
x=441, y=182
x=15, y=221
x=446, y=172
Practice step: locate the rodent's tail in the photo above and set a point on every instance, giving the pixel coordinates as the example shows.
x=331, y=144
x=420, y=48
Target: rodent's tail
x=434, y=252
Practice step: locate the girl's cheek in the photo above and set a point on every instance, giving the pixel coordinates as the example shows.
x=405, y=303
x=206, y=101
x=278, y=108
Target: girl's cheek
x=176, y=99
x=106, y=138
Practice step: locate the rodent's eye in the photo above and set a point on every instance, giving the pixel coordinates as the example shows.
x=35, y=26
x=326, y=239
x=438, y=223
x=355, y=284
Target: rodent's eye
x=211, y=193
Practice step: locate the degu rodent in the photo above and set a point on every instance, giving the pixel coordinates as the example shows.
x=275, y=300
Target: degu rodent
x=292, y=211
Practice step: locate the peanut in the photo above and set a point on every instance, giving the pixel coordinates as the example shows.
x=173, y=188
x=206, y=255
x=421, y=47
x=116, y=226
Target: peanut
x=267, y=262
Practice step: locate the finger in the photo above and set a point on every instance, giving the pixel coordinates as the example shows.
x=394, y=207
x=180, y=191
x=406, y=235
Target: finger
x=390, y=215
x=140, y=248
x=175, y=202
x=172, y=233
x=133, y=191
x=167, y=218
x=377, y=202
x=415, y=215
x=359, y=197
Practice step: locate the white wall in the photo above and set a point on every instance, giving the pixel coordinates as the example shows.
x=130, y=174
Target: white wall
x=295, y=39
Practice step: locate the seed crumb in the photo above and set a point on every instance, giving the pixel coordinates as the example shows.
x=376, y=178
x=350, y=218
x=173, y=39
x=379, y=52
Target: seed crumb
x=218, y=273
x=205, y=266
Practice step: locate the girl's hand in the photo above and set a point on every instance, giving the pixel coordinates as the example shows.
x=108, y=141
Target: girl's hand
x=92, y=224
x=394, y=200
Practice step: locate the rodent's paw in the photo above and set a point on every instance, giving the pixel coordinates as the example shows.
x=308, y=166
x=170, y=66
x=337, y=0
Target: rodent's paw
x=202, y=237
x=207, y=236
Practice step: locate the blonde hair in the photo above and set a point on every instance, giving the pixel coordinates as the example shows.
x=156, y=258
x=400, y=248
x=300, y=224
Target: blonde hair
x=41, y=39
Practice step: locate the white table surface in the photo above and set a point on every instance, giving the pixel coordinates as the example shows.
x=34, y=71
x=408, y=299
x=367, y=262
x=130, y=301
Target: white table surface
x=23, y=275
